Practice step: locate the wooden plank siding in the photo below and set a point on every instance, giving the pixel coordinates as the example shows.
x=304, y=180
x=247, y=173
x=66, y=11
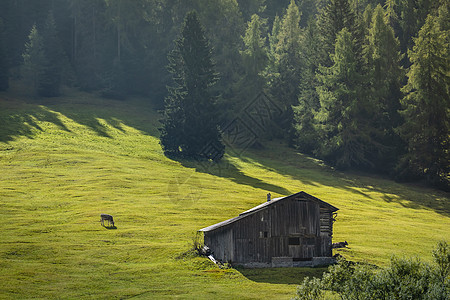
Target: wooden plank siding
x=299, y=226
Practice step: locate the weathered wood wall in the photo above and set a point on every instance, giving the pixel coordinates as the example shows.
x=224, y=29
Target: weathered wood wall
x=296, y=227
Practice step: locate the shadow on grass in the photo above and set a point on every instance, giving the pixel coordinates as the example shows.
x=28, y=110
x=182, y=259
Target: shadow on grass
x=281, y=275
x=94, y=113
x=109, y=227
x=20, y=116
x=226, y=169
x=278, y=158
x=23, y=121
x=286, y=161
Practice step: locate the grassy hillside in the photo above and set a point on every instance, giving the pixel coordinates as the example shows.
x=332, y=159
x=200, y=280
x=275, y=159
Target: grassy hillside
x=65, y=160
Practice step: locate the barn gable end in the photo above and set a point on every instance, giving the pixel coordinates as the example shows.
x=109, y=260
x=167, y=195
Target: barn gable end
x=290, y=231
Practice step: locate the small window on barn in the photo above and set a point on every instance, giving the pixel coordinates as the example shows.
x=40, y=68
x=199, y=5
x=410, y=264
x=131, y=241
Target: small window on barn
x=266, y=234
x=263, y=234
x=294, y=241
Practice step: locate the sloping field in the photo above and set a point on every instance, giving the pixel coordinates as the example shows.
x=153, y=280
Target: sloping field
x=65, y=160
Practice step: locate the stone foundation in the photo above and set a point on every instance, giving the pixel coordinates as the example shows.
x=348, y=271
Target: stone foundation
x=287, y=262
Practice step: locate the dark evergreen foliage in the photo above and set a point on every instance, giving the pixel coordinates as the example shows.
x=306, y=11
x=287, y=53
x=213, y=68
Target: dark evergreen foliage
x=342, y=117
x=119, y=48
x=190, y=124
x=33, y=58
x=384, y=76
x=50, y=77
x=426, y=106
x=87, y=47
x=334, y=17
x=4, y=68
x=254, y=61
x=284, y=71
x=306, y=137
x=19, y=17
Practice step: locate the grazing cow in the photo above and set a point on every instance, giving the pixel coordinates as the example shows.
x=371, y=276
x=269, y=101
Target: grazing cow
x=105, y=217
x=339, y=245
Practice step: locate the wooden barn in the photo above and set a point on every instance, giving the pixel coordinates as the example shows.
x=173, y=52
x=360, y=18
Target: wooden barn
x=289, y=231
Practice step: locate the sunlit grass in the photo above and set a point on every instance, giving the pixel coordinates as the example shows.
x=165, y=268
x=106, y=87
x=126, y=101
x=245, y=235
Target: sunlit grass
x=66, y=160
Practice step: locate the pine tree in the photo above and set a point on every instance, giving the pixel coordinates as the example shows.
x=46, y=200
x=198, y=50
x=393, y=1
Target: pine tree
x=251, y=7
x=33, y=58
x=270, y=73
x=51, y=73
x=426, y=105
x=224, y=25
x=255, y=59
x=411, y=17
x=4, y=82
x=308, y=101
x=255, y=52
x=408, y=22
x=190, y=124
x=87, y=42
x=391, y=14
x=336, y=16
x=341, y=119
x=444, y=18
x=273, y=37
x=383, y=59
x=283, y=74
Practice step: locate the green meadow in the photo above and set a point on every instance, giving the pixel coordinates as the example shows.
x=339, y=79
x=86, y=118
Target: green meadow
x=65, y=160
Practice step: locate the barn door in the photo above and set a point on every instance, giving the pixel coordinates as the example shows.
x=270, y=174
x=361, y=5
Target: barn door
x=295, y=247
x=309, y=247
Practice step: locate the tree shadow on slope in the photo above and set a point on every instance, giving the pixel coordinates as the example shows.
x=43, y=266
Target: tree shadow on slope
x=21, y=117
x=228, y=170
x=99, y=113
x=286, y=161
x=280, y=159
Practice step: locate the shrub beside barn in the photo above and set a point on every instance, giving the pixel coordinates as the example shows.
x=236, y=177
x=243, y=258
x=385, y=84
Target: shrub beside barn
x=295, y=230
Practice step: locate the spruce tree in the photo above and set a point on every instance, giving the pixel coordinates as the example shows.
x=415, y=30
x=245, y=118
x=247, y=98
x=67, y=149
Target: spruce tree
x=255, y=51
x=4, y=82
x=255, y=59
x=383, y=59
x=33, y=58
x=308, y=101
x=270, y=73
x=51, y=76
x=273, y=37
x=426, y=105
x=283, y=74
x=190, y=124
x=344, y=132
x=334, y=17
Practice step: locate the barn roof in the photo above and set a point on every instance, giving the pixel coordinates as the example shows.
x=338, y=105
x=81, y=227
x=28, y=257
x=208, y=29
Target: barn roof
x=301, y=195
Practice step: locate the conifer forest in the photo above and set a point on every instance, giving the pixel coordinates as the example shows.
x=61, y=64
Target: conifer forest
x=359, y=84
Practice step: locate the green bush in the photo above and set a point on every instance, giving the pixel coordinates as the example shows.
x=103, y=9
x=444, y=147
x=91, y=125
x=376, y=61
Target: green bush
x=310, y=289
x=405, y=278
